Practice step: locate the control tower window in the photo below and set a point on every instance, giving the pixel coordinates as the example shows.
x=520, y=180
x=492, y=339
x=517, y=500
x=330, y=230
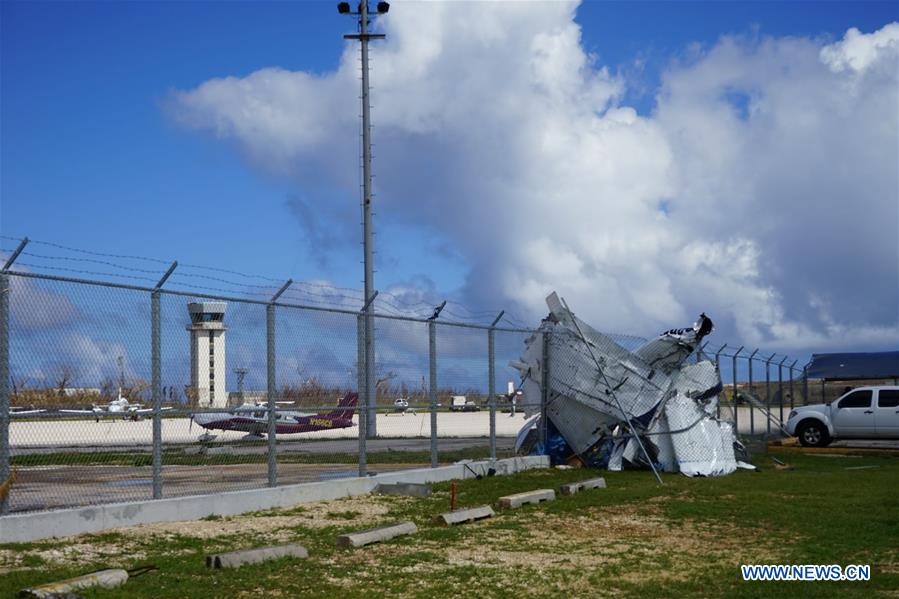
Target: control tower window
x=208, y=317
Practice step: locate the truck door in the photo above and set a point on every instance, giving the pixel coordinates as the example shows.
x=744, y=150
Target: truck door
x=853, y=415
x=886, y=414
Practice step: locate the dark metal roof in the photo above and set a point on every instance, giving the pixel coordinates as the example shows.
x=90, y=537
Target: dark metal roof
x=875, y=365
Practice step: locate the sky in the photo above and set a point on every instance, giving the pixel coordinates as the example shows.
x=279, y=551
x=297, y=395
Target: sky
x=647, y=160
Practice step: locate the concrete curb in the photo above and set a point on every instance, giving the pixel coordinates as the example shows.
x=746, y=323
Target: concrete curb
x=33, y=526
x=236, y=559
x=465, y=516
x=593, y=483
x=376, y=535
x=520, y=499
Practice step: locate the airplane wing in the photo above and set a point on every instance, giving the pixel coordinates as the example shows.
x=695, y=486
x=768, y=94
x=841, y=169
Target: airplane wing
x=148, y=410
x=82, y=411
x=26, y=412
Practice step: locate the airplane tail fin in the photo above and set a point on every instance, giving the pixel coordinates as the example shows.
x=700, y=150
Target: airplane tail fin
x=346, y=407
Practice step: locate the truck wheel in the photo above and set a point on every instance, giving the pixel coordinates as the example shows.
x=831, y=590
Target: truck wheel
x=812, y=433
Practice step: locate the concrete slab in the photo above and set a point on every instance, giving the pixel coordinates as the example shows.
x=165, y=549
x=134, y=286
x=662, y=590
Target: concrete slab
x=466, y=515
x=520, y=499
x=107, y=579
x=376, y=535
x=235, y=559
x=407, y=489
x=33, y=526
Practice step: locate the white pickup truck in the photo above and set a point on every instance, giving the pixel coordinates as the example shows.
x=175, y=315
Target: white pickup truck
x=863, y=413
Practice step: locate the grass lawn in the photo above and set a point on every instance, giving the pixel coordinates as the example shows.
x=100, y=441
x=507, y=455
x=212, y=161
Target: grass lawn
x=634, y=538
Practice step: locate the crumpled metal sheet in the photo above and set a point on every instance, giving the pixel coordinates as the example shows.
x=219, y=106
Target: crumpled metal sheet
x=602, y=396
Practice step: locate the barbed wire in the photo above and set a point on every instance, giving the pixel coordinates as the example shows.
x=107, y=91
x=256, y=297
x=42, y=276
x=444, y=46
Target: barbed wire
x=93, y=261
x=397, y=303
x=91, y=253
x=87, y=272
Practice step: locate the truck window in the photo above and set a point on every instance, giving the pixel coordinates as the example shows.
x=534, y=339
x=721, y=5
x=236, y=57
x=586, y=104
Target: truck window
x=857, y=399
x=888, y=398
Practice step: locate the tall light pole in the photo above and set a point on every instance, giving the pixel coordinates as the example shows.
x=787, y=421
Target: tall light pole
x=364, y=36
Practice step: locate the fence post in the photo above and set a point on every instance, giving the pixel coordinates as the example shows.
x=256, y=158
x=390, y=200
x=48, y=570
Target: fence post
x=717, y=368
x=156, y=378
x=780, y=387
x=361, y=400
x=432, y=387
x=270, y=390
x=805, y=398
x=4, y=387
x=491, y=383
x=792, y=376
x=432, y=383
x=544, y=392
x=4, y=373
x=752, y=391
x=768, y=394
x=734, y=378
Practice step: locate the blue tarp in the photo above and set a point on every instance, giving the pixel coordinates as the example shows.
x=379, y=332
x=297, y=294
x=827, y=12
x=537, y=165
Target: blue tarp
x=876, y=365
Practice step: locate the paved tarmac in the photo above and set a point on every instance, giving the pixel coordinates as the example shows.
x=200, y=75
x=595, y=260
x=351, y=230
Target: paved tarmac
x=112, y=432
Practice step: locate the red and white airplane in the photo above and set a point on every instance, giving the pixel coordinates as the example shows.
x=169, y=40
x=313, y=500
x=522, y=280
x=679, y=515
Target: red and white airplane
x=253, y=419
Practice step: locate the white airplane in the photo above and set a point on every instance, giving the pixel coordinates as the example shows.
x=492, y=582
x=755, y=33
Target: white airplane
x=120, y=405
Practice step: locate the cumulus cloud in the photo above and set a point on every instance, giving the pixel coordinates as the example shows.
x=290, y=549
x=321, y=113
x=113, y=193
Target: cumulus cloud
x=857, y=51
x=762, y=188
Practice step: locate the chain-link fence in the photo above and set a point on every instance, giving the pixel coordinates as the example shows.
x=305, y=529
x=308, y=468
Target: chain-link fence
x=117, y=392
x=114, y=391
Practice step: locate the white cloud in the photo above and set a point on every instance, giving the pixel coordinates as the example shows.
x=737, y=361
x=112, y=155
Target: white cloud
x=858, y=50
x=775, y=159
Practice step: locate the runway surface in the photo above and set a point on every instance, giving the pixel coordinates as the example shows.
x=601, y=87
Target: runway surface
x=118, y=432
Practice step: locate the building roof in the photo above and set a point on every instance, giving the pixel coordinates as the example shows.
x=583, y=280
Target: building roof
x=849, y=366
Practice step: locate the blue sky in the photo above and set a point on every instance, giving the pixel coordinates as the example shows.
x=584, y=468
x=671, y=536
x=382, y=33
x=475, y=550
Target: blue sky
x=91, y=155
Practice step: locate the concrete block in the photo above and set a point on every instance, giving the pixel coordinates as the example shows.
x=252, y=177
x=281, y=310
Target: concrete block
x=376, y=535
x=520, y=499
x=235, y=559
x=583, y=485
x=102, y=578
x=466, y=515
x=570, y=488
x=593, y=483
x=408, y=489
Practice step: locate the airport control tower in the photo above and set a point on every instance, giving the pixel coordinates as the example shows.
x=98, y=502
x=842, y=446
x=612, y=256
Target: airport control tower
x=207, y=353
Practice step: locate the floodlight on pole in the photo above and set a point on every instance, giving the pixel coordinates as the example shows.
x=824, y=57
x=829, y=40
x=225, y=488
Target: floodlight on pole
x=364, y=36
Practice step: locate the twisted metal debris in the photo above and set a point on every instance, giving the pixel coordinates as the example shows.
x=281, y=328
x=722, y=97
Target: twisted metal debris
x=612, y=408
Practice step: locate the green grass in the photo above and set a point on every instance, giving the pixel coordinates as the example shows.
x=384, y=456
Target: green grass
x=634, y=538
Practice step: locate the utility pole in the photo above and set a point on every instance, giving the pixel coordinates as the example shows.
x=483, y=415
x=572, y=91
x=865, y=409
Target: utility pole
x=364, y=36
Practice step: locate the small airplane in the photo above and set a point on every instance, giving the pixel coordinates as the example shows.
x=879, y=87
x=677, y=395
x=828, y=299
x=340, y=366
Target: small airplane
x=120, y=405
x=253, y=419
